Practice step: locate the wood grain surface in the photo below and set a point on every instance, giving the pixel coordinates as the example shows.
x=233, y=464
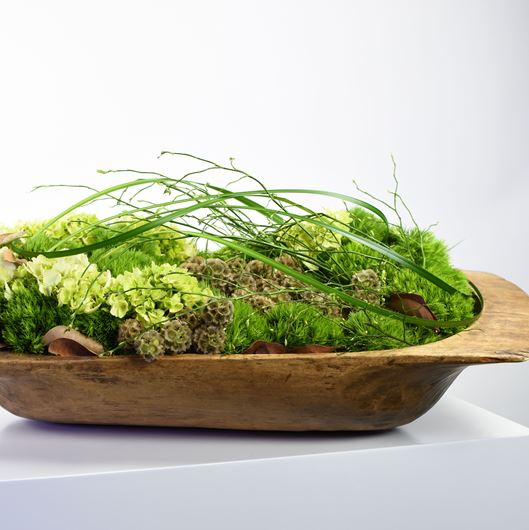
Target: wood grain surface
x=289, y=392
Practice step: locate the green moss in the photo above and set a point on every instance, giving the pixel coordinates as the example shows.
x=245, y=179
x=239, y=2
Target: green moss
x=37, y=243
x=426, y=250
x=100, y=326
x=248, y=325
x=444, y=306
x=27, y=316
x=367, y=331
x=122, y=260
x=416, y=243
x=369, y=225
x=297, y=324
x=352, y=258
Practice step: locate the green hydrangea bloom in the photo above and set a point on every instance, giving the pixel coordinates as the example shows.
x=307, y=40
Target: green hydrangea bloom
x=311, y=238
x=172, y=246
x=76, y=223
x=73, y=280
x=155, y=293
x=162, y=243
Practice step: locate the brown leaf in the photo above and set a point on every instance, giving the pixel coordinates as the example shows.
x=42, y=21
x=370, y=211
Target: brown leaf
x=412, y=305
x=312, y=348
x=10, y=257
x=68, y=342
x=261, y=346
x=11, y=236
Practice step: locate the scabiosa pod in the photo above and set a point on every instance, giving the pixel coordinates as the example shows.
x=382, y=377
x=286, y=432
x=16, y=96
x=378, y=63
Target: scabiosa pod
x=177, y=336
x=129, y=331
x=209, y=339
x=150, y=345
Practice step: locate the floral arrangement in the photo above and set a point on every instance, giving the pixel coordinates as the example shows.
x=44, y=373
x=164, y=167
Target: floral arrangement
x=186, y=266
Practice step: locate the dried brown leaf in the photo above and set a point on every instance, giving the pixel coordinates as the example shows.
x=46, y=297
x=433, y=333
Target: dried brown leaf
x=11, y=258
x=68, y=342
x=412, y=305
x=261, y=346
x=312, y=348
x=11, y=236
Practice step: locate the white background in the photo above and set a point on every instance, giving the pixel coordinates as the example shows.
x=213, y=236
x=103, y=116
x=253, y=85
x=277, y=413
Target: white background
x=311, y=93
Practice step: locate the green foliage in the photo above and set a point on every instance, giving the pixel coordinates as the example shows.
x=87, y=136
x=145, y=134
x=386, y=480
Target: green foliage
x=248, y=325
x=367, y=224
x=27, y=316
x=352, y=258
x=297, y=324
x=366, y=331
x=121, y=261
x=99, y=325
x=34, y=243
x=294, y=260
x=422, y=245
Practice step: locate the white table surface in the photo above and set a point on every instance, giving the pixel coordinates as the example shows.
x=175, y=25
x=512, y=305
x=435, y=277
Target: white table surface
x=119, y=477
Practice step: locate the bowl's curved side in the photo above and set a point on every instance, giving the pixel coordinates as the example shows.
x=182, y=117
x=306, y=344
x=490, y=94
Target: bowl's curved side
x=234, y=393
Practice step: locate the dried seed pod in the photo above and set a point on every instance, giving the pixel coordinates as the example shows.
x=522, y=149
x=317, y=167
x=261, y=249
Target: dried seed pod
x=129, y=330
x=260, y=301
x=236, y=265
x=264, y=285
x=322, y=301
x=284, y=281
x=195, y=265
x=218, y=312
x=217, y=273
x=289, y=261
x=258, y=268
x=366, y=277
x=216, y=268
x=366, y=286
x=209, y=339
x=150, y=345
x=177, y=336
x=247, y=281
x=192, y=318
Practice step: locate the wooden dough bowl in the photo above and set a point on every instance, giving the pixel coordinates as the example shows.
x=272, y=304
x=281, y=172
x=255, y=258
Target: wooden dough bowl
x=289, y=392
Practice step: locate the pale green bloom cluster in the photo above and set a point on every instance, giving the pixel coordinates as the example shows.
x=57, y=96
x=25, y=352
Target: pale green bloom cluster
x=86, y=229
x=155, y=292
x=77, y=223
x=164, y=242
x=310, y=238
x=73, y=280
x=173, y=247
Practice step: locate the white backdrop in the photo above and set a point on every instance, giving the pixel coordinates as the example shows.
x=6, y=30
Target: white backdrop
x=300, y=92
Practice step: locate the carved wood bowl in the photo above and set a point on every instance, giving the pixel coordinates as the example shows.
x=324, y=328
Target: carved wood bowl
x=288, y=392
